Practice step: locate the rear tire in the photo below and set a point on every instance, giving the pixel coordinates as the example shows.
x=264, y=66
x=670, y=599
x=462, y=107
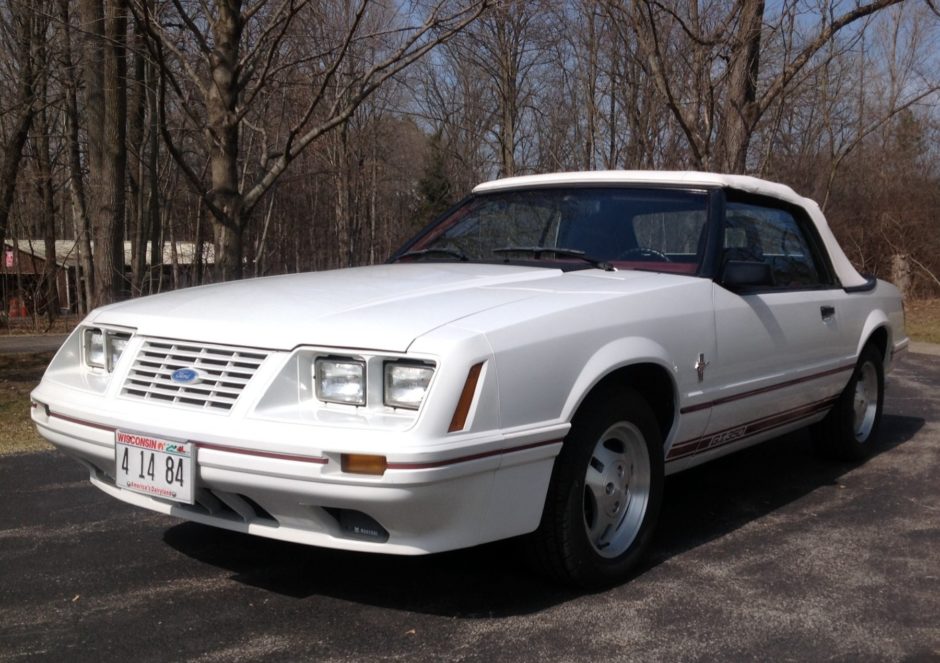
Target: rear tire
x=605, y=493
x=847, y=431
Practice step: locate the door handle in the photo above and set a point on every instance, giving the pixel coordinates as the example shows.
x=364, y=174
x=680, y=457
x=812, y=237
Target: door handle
x=827, y=312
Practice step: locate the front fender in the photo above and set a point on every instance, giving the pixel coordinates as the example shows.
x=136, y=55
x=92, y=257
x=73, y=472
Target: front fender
x=617, y=354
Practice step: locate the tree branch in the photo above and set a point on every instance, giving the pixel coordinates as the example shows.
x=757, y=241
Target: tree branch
x=366, y=83
x=828, y=32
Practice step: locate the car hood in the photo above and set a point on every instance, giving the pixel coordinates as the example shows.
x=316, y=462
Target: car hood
x=382, y=307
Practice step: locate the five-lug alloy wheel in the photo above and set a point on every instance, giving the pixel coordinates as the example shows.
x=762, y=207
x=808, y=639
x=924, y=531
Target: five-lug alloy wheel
x=847, y=430
x=867, y=395
x=616, y=489
x=605, y=492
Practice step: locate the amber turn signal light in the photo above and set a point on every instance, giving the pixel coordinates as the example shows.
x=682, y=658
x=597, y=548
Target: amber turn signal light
x=459, y=420
x=363, y=464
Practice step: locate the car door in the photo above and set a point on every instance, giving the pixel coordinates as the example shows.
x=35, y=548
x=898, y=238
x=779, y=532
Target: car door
x=783, y=352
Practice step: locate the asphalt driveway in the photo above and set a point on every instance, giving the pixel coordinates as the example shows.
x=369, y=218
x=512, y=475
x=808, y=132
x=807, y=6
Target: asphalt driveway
x=31, y=343
x=771, y=554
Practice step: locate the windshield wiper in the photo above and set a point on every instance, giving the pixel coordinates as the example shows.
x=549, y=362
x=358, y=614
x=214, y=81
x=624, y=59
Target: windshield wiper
x=559, y=251
x=454, y=253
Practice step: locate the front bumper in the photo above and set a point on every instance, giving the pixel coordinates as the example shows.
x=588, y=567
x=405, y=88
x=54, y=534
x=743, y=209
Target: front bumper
x=436, y=495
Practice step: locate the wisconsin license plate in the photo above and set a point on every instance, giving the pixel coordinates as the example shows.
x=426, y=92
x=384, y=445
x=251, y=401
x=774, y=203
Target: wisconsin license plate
x=155, y=466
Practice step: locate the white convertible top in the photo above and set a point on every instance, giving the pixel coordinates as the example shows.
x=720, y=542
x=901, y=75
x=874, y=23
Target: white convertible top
x=848, y=276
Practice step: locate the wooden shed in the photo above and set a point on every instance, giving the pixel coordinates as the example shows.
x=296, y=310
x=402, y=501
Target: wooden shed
x=23, y=268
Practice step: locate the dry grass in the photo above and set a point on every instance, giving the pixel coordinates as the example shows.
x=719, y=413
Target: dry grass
x=19, y=374
x=923, y=320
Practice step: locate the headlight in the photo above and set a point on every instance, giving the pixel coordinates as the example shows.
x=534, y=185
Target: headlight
x=340, y=380
x=116, y=345
x=102, y=348
x=406, y=384
x=94, y=348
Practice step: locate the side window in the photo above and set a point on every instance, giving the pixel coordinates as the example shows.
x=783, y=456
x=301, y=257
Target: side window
x=773, y=236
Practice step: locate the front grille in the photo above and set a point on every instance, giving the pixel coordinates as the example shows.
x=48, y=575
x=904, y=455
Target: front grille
x=224, y=372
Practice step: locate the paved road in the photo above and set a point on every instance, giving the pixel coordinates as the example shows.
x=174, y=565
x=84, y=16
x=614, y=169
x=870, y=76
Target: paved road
x=769, y=554
x=31, y=343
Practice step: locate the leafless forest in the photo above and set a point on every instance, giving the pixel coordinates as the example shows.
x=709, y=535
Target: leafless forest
x=291, y=135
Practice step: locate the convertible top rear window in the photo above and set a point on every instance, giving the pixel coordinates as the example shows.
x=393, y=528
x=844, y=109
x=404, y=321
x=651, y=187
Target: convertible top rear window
x=648, y=228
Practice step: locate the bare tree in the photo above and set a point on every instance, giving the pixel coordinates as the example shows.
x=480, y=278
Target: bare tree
x=76, y=179
x=507, y=47
x=297, y=135
x=45, y=186
x=732, y=88
x=241, y=54
x=454, y=98
x=22, y=28
x=104, y=26
x=138, y=217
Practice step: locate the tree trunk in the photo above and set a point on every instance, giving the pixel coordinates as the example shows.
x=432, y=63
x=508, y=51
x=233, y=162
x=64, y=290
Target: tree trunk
x=901, y=273
x=343, y=207
x=25, y=26
x=590, y=92
x=136, y=172
x=222, y=136
x=174, y=256
x=741, y=111
x=229, y=251
x=50, y=271
x=153, y=179
x=105, y=81
x=198, y=257
x=508, y=94
x=85, y=272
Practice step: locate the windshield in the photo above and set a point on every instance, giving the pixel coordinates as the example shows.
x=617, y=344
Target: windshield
x=659, y=229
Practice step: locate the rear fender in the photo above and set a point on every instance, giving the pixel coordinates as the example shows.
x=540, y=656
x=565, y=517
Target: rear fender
x=876, y=320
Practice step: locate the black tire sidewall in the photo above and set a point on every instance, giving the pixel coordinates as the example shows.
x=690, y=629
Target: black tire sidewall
x=834, y=437
x=583, y=564
x=847, y=405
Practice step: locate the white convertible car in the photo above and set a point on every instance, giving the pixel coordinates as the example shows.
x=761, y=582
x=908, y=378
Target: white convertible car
x=533, y=362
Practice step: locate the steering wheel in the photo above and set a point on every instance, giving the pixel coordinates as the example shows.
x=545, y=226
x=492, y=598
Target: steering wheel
x=645, y=254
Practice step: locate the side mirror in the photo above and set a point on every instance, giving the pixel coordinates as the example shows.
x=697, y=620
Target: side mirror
x=745, y=273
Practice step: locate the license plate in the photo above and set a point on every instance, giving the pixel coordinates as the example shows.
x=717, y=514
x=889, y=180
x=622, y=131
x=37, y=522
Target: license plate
x=155, y=466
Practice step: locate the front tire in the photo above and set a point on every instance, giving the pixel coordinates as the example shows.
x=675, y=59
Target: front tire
x=848, y=429
x=605, y=493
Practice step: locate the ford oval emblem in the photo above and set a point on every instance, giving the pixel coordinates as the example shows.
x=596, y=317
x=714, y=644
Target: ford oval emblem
x=185, y=376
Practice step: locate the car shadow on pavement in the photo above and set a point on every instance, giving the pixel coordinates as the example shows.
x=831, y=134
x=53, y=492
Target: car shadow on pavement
x=490, y=580
x=495, y=580
x=711, y=500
